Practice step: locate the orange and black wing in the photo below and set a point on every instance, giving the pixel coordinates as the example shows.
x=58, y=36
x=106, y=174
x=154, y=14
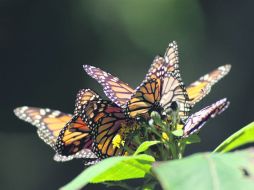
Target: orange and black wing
x=158, y=91
x=109, y=126
x=57, y=128
x=157, y=63
x=115, y=89
x=105, y=120
x=82, y=98
x=200, y=88
x=147, y=96
x=49, y=122
x=75, y=139
x=145, y=99
x=170, y=60
x=198, y=119
x=173, y=87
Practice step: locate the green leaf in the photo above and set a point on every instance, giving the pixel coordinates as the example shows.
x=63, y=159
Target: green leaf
x=241, y=137
x=178, y=132
x=194, y=138
x=208, y=171
x=113, y=169
x=144, y=146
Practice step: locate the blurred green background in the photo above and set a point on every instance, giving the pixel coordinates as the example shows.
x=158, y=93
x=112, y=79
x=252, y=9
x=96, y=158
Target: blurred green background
x=44, y=44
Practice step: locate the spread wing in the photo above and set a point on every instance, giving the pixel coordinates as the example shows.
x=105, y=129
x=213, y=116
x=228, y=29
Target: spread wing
x=53, y=127
x=200, y=88
x=49, y=122
x=158, y=91
x=198, y=119
x=106, y=120
x=76, y=138
x=115, y=89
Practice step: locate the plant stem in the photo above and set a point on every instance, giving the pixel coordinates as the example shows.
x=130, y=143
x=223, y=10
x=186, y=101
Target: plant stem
x=174, y=151
x=182, y=146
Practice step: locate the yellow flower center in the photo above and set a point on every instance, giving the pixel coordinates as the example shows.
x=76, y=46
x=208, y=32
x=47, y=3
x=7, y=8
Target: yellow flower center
x=179, y=126
x=118, y=141
x=165, y=137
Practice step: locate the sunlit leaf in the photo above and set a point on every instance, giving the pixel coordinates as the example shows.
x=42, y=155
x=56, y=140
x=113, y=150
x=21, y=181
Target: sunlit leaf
x=208, y=171
x=144, y=146
x=241, y=137
x=113, y=169
x=178, y=132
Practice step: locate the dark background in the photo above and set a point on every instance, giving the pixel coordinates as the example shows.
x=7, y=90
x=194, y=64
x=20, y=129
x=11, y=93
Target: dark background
x=44, y=44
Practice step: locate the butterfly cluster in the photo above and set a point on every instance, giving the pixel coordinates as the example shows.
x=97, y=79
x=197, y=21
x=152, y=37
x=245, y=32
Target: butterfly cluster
x=100, y=128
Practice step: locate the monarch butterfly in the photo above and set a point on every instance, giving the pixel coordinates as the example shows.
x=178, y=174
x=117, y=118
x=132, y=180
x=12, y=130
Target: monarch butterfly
x=49, y=125
x=96, y=124
x=157, y=92
x=107, y=122
x=162, y=80
x=120, y=92
x=198, y=119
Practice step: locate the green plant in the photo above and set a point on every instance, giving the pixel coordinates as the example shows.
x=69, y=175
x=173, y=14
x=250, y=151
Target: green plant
x=159, y=161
